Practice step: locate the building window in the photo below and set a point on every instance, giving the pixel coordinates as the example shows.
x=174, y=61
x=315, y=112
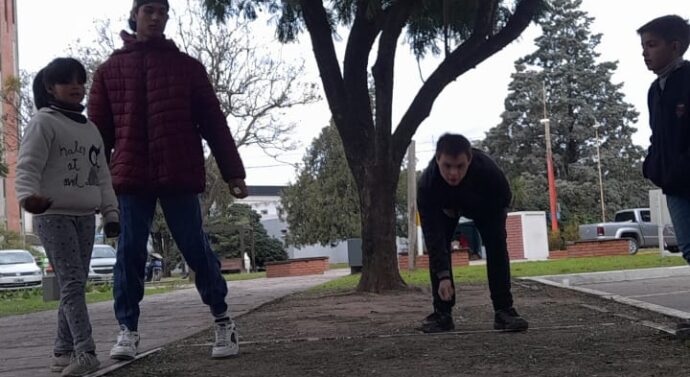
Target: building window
x=264, y=212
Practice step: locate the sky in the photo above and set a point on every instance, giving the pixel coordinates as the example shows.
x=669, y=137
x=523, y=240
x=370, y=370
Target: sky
x=471, y=105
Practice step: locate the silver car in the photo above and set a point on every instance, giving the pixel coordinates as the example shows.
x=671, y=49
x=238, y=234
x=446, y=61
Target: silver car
x=102, y=263
x=19, y=269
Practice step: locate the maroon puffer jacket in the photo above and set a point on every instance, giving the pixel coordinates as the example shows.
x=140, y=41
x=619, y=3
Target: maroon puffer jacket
x=153, y=104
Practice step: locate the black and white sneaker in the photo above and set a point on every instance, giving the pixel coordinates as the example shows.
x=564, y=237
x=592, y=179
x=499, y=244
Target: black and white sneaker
x=126, y=346
x=227, y=343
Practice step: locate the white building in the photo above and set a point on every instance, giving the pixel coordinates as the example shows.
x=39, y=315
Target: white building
x=265, y=200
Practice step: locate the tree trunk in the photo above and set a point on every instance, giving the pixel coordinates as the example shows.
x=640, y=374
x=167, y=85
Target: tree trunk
x=379, y=253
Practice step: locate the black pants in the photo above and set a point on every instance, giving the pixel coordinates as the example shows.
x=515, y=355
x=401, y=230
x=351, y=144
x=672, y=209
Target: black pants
x=492, y=229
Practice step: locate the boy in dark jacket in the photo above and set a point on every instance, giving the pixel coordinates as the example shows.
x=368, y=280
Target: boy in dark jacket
x=664, y=41
x=462, y=181
x=153, y=104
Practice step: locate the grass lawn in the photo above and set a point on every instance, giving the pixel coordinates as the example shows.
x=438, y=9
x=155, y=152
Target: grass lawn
x=335, y=266
x=477, y=274
x=31, y=300
x=244, y=276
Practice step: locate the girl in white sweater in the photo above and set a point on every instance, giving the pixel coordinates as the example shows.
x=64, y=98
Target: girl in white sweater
x=63, y=179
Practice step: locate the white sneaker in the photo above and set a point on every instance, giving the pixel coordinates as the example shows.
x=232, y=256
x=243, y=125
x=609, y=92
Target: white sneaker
x=126, y=346
x=227, y=342
x=82, y=363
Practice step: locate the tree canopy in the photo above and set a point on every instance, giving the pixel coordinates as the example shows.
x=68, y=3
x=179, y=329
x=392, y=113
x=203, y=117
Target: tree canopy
x=467, y=32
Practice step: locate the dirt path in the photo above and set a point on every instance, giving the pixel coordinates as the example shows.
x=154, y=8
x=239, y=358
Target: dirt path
x=353, y=334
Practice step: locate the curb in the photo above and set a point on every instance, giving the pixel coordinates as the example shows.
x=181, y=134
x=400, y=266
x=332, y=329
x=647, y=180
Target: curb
x=118, y=365
x=619, y=275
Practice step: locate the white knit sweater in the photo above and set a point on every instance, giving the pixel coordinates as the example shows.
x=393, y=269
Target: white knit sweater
x=65, y=161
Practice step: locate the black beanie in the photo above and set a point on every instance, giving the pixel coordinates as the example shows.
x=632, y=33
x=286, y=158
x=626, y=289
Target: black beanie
x=138, y=3
x=135, y=7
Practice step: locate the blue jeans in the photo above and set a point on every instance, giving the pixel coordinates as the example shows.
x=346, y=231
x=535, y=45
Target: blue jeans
x=183, y=216
x=679, y=209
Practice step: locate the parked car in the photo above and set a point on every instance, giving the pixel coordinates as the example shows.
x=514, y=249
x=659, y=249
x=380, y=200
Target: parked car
x=102, y=263
x=634, y=224
x=19, y=269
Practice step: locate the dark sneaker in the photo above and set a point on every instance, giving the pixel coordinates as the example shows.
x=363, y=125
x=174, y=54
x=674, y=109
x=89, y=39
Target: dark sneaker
x=509, y=320
x=437, y=322
x=683, y=330
x=60, y=361
x=433, y=317
x=82, y=363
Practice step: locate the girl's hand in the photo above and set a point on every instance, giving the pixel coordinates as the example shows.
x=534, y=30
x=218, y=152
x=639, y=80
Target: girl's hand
x=37, y=204
x=112, y=230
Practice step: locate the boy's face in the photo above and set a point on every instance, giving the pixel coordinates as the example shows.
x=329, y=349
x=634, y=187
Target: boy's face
x=453, y=168
x=151, y=19
x=658, y=53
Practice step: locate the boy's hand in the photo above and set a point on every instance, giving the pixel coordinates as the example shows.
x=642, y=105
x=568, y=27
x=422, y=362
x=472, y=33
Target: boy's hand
x=112, y=230
x=445, y=290
x=238, y=188
x=37, y=204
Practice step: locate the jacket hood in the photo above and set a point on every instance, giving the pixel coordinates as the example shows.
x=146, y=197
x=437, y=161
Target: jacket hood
x=131, y=44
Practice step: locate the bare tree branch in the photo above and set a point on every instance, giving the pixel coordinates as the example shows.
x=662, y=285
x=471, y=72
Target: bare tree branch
x=465, y=57
x=316, y=18
x=254, y=88
x=365, y=29
x=383, y=71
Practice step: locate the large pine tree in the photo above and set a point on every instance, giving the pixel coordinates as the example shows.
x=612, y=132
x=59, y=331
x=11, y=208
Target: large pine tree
x=564, y=78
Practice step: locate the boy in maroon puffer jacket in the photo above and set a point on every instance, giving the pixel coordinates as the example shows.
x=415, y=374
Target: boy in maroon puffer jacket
x=153, y=104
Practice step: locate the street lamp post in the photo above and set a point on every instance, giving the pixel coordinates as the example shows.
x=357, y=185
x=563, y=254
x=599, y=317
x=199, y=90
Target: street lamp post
x=601, y=181
x=550, y=175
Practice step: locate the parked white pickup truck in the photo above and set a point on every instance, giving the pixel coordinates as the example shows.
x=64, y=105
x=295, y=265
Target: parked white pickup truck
x=634, y=224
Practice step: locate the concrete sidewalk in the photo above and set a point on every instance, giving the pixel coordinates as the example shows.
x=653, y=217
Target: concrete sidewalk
x=664, y=290
x=26, y=341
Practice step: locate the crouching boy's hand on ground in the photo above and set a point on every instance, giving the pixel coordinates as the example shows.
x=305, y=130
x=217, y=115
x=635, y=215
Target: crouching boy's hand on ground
x=445, y=290
x=112, y=229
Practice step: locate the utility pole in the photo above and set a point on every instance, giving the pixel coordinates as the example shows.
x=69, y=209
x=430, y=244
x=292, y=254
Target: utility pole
x=411, y=206
x=549, y=166
x=601, y=181
x=253, y=248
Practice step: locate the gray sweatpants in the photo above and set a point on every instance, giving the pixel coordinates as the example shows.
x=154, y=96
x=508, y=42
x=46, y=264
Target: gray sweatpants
x=68, y=241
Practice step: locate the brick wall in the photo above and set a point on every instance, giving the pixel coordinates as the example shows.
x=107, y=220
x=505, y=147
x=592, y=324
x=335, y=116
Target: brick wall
x=458, y=258
x=297, y=267
x=516, y=246
x=592, y=249
x=9, y=70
